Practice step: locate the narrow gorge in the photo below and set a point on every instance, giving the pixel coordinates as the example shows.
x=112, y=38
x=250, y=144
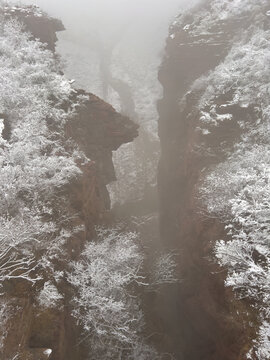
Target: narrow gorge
x=134, y=181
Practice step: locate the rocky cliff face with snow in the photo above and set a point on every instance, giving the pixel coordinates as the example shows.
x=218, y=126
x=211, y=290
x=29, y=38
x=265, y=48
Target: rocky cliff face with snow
x=56, y=148
x=56, y=160
x=214, y=179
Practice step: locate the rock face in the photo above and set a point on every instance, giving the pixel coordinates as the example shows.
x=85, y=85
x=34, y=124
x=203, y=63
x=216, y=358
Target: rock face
x=201, y=317
x=37, y=22
x=98, y=130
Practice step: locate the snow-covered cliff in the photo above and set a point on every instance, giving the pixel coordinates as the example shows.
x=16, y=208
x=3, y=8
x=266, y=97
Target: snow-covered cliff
x=214, y=177
x=56, y=148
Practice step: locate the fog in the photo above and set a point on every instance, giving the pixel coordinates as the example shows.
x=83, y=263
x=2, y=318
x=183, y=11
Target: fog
x=127, y=31
x=138, y=27
x=113, y=48
x=112, y=19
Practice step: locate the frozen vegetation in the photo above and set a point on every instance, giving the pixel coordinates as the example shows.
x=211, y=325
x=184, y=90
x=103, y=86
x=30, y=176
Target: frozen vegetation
x=107, y=278
x=38, y=161
x=208, y=20
x=35, y=160
x=237, y=190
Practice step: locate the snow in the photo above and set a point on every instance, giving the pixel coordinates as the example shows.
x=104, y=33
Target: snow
x=28, y=80
x=49, y=296
x=206, y=20
x=5, y=312
x=27, y=10
x=237, y=190
x=47, y=352
x=2, y=126
x=186, y=27
x=103, y=302
x=205, y=131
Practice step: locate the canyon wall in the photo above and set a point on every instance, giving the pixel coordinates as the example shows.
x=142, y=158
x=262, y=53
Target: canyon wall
x=30, y=331
x=202, y=318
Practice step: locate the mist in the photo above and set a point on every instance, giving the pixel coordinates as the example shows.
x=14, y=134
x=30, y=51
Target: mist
x=114, y=49
x=139, y=28
x=115, y=18
x=134, y=179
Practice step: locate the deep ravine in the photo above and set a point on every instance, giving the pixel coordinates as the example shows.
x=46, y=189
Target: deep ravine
x=150, y=165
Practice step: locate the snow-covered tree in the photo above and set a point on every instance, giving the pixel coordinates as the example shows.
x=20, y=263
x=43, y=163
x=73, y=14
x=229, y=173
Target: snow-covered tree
x=49, y=296
x=164, y=270
x=104, y=279
x=36, y=158
x=5, y=311
x=237, y=190
x=214, y=12
x=107, y=281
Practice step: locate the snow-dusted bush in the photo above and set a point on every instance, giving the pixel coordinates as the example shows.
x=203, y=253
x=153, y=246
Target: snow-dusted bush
x=164, y=270
x=243, y=75
x=262, y=346
x=237, y=191
x=49, y=296
x=5, y=312
x=36, y=159
x=206, y=21
x=105, y=304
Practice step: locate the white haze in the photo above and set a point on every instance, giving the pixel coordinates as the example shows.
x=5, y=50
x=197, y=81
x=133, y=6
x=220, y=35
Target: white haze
x=120, y=41
x=113, y=18
x=141, y=26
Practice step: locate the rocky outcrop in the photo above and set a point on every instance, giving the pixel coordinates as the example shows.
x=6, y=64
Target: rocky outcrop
x=98, y=130
x=37, y=22
x=202, y=318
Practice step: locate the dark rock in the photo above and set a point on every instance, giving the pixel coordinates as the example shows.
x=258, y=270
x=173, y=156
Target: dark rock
x=37, y=22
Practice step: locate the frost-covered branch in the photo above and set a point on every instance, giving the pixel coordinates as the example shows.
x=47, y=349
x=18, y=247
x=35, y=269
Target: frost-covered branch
x=164, y=270
x=105, y=304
